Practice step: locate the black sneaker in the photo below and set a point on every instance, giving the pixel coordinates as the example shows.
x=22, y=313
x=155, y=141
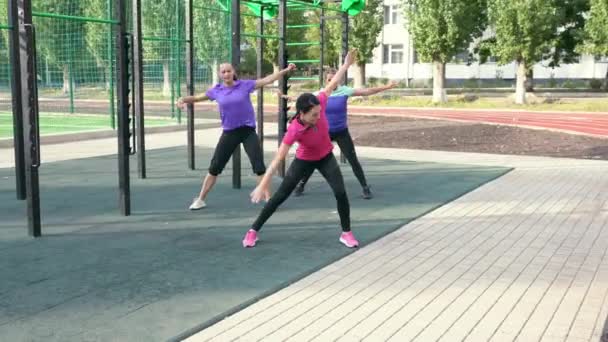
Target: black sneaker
x=367, y=193
x=299, y=190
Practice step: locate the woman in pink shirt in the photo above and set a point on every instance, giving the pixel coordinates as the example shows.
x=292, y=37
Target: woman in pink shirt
x=309, y=127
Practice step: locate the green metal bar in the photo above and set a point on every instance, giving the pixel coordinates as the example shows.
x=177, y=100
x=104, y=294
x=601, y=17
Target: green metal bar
x=303, y=26
x=265, y=4
x=304, y=78
x=255, y=35
x=110, y=55
x=178, y=59
x=160, y=39
x=173, y=58
x=73, y=18
x=211, y=9
x=71, y=80
x=222, y=5
x=304, y=61
x=304, y=44
x=310, y=5
x=6, y=27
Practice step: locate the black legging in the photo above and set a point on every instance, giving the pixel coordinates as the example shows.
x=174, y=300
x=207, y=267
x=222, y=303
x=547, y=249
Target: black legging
x=229, y=141
x=345, y=142
x=329, y=168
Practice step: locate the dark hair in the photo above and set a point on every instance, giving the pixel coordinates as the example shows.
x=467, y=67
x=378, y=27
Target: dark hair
x=305, y=103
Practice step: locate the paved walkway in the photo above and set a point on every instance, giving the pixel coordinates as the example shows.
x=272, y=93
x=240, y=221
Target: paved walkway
x=520, y=258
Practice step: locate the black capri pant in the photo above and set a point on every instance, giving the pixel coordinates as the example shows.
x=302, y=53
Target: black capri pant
x=229, y=141
x=329, y=168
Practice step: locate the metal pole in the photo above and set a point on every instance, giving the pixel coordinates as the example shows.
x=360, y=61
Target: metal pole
x=322, y=52
x=29, y=103
x=344, y=52
x=282, y=21
x=138, y=89
x=190, y=78
x=122, y=88
x=236, y=60
x=260, y=62
x=13, y=20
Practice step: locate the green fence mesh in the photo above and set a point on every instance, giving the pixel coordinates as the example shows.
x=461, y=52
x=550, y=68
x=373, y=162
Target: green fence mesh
x=75, y=44
x=6, y=119
x=164, y=59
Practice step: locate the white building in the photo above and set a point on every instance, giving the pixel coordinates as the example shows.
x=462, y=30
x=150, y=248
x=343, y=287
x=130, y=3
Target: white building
x=395, y=58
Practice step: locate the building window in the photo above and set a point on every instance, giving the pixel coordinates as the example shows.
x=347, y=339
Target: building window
x=392, y=54
x=391, y=15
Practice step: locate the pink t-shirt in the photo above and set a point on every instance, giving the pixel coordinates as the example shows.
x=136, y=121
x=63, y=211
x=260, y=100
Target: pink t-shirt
x=313, y=142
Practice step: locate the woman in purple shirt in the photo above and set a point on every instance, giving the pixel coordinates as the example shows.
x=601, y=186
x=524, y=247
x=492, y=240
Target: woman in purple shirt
x=238, y=123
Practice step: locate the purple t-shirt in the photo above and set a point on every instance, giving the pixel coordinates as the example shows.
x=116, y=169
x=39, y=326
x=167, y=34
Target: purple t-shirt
x=234, y=103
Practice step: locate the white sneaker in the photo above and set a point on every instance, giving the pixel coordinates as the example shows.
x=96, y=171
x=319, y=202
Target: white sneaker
x=197, y=204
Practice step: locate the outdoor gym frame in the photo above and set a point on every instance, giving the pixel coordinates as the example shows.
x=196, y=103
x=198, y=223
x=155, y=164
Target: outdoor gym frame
x=130, y=90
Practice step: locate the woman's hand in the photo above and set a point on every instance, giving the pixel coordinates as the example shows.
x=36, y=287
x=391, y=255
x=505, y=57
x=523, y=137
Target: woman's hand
x=260, y=193
x=351, y=57
x=182, y=102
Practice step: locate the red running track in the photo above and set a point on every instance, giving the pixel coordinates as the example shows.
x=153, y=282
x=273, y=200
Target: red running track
x=594, y=124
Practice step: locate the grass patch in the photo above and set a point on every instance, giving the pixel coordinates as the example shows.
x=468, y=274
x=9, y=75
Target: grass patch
x=69, y=123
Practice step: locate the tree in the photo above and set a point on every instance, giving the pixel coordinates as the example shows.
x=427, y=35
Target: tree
x=567, y=37
x=4, y=42
x=99, y=38
x=61, y=42
x=440, y=29
x=525, y=31
x=160, y=20
x=363, y=36
x=596, y=34
x=212, y=49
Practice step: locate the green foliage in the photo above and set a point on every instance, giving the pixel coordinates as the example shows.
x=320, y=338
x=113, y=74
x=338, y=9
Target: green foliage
x=595, y=84
x=60, y=41
x=596, y=32
x=525, y=29
x=211, y=49
x=364, y=30
x=441, y=29
x=570, y=32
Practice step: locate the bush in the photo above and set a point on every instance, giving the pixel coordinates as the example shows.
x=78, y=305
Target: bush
x=372, y=81
x=595, y=84
x=467, y=98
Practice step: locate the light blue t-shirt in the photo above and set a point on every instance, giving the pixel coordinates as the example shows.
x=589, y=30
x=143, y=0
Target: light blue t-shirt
x=337, y=108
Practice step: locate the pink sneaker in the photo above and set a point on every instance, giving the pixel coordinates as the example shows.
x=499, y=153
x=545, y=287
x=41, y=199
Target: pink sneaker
x=348, y=239
x=250, y=238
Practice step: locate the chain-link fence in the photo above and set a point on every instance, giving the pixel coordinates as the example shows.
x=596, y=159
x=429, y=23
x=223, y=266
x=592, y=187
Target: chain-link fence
x=6, y=118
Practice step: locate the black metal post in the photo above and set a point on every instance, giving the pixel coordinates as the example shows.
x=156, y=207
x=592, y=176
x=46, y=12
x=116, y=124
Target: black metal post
x=322, y=52
x=345, y=27
x=138, y=89
x=29, y=104
x=13, y=38
x=190, y=79
x=236, y=61
x=122, y=88
x=282, y=28
x=260, y=63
